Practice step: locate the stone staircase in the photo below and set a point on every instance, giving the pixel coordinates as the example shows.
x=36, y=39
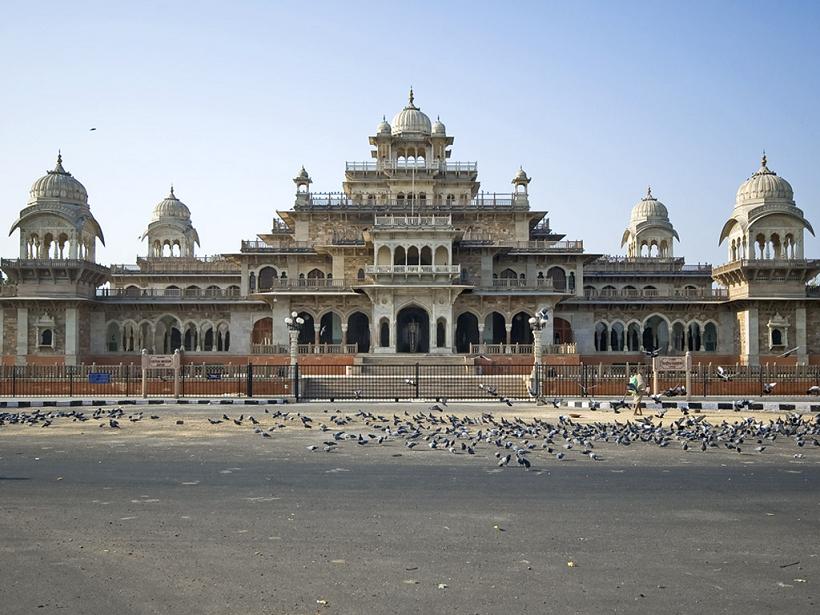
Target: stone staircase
x=396, y=377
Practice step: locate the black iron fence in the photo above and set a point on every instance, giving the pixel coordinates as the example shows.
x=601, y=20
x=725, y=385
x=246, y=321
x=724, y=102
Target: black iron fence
x=398, y=382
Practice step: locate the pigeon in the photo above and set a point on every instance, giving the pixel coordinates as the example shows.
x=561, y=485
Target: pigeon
x=723, y=375
x=768, y=388
x=813, y=390
x=652, y=353
x=789, y=352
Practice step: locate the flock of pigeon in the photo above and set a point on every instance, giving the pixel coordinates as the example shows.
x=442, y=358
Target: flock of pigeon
x=513, y=442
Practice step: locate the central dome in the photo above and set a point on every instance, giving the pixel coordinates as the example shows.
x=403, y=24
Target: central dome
x=59, y=184
x=764, y=184
x=171, y=207
x=411, y=120
x=649, y=208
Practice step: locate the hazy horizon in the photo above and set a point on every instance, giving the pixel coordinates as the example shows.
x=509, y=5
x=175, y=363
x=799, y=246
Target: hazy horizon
x=595, y=100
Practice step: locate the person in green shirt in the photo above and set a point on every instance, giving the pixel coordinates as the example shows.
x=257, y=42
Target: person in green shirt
x=637, y=388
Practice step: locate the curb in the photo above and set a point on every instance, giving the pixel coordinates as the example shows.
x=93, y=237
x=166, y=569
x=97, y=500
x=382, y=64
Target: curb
x=71, y=403
x=800, y=406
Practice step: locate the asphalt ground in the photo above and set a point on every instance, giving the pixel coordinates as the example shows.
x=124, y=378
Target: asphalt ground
x=161, y=517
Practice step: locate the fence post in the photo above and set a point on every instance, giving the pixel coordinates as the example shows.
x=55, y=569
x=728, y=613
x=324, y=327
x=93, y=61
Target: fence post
x=295, y=368
x=70, y=380
x=249, y=381
x=417, y=380
x=14, y=381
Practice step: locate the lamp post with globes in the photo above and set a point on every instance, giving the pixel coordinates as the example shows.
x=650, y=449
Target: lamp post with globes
x=295, y=324
x=537, y=324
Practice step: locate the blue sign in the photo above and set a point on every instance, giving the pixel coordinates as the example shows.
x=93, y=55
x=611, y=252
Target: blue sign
x=214, y=376
x=99, y=378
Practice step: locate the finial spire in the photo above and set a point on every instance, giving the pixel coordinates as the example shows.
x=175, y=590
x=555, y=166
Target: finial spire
x=59, y=168
x=763, y=160
x=411, y=95
x=172, y=191
x=649, y=192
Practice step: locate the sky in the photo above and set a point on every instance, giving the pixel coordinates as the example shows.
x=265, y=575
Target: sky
x=226, y=100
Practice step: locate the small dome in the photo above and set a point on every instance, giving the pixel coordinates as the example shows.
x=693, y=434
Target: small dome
x=649, y=208
x=411, y=120
x=764, y=184
x=383, y=127
x=302, y=174
x=520, y=176
x=171, y=207
x=59, y=184
x=439, y=128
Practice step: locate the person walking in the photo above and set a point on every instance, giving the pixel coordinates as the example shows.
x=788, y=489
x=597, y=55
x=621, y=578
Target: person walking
x=637, y=388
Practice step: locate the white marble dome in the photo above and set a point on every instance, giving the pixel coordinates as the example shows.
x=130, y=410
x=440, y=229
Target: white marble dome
x=59, y=184
x=649, y=208
x=764, y=184
x=411, y=120
x=383, y=128
x=171, y=207
x=439, y=128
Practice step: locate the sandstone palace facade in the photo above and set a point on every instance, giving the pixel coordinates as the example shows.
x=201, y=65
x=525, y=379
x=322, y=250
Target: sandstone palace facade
x=410, y=259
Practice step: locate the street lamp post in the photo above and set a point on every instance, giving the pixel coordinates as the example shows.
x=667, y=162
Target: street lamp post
x=537, y=324
x=294, y=323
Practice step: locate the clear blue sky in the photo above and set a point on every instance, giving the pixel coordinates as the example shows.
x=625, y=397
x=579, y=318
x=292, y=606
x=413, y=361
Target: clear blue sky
x=227, y=99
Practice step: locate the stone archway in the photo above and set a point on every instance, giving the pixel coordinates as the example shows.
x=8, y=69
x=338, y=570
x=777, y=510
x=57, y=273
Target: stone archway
x=412, y=330
x=466, y=331
x=358, y=331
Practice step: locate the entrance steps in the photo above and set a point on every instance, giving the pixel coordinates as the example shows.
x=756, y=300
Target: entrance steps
x=412, y=359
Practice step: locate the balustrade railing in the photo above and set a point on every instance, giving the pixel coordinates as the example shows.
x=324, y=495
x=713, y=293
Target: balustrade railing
x=340, y=200
x=654, y=293
x=313, y=283
x=418, y=165
x=169, y=293
x=413, y=269
x=412, y=221
x=252, y=245
x=496, y=349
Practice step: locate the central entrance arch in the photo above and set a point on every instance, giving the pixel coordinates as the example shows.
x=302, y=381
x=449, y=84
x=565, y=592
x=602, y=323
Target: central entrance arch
x=412, y=330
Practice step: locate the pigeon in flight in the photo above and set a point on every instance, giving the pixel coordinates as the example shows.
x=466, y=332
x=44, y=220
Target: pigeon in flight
x=723, y=374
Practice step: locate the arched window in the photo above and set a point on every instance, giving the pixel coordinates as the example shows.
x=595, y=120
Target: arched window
x=266, y=277
x=633, y=337
x=559, y=278
x=678, y=337
x=777, y=337
x=616, y=337
x=601, y=337
x=710, y=337
x=693, y=337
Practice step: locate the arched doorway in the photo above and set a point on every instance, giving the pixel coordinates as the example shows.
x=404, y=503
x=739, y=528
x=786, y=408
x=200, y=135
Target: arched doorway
x=561, y=331
x=330, y=329
x=466, y=331
x=358, y=331
x=656, y=334
x=521, y=332
x=262, y=331
x=494, y=330
x=412, y=330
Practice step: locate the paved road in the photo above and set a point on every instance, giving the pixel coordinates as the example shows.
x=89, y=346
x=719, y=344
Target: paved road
x=164, y=518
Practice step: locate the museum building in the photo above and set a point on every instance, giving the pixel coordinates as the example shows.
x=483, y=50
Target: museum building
x=410, y=261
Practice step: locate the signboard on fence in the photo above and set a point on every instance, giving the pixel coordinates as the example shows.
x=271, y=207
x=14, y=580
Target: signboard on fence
x=670, y=364
x=159, y=361
x=213, y=376
x=99, y=378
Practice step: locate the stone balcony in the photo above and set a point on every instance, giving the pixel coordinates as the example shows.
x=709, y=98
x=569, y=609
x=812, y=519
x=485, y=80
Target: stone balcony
x=393, y=223
x=654, y=294
x=312, y=286
x=148, y=295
